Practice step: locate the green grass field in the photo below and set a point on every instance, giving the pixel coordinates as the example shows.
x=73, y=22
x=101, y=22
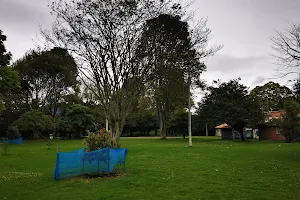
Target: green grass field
x=212, y=169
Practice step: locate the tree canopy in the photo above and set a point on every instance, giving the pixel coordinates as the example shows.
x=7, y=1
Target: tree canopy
x=9, y=79
x=166, y=49
x=271, y=95
x=5, y=56
x=230, y=103
x=46, y=77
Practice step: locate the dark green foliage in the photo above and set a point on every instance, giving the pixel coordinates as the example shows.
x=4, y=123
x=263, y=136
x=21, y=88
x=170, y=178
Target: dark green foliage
x=290, y=122
x=166, y=49
x=9, y=80
x=13, y=132
x=9, y=87
x=271, y=95
x=34, y=123
x=142, y=119
x=46, y=77
x=179, y=122
x=5, y=56
x=9, y=84
x=296, y=90
x=78, y=119
x=230, y=103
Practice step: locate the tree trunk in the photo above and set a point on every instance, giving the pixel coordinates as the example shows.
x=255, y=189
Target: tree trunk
x=116, y=130
x=164, y=132
x=239, y=127
x=242, y=135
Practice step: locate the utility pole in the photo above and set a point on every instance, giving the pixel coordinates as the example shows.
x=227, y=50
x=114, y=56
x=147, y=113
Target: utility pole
x=189, y=114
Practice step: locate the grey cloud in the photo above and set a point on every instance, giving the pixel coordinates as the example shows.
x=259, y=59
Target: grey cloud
x=232, y=64
x=258, y=80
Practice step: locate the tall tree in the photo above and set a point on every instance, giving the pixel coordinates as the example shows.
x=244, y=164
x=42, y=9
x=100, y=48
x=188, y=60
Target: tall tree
x=230, y=103
x=290, y=121
x=5, y=56
x=47, y=76
x=271, y=95
x=296, y=90
x=167, y=48
x=286, y=45
x=103, y=37
x=9, y=79
x=9, y=83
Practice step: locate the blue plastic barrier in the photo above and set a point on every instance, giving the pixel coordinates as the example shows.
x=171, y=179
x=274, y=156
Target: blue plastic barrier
x=78, y=162
x=14, y=141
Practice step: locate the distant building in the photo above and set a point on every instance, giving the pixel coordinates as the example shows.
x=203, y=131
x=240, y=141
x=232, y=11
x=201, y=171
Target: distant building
x=273, y=115
x=271, y=131
x=227, y=133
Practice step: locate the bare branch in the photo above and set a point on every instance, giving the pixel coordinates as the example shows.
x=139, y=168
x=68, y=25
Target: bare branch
x=286, y=46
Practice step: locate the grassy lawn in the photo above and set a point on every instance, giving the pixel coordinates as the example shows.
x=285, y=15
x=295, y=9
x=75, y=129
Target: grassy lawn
x=212, y=169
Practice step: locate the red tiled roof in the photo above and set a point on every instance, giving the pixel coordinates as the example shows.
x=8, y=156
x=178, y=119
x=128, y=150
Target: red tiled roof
x=223, y=126
x=274, y=114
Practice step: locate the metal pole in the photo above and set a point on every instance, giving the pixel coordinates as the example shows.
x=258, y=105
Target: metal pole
x=106, y=128
x=206, y=130
x=189, y=114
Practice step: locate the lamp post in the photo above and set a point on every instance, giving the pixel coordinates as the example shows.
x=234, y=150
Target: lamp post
x=189, y=114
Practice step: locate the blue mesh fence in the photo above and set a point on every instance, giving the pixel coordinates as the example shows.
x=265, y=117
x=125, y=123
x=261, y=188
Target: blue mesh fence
x=78, y=162
x=14, y=141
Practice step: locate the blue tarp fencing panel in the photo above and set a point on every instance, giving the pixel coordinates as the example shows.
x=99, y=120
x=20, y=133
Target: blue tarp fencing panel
x=14, y=141
x=79, y=162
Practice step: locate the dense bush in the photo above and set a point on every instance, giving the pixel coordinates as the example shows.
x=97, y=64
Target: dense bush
x=34, y=123
x=13, y=132
x=99, y=140
x=78, y=119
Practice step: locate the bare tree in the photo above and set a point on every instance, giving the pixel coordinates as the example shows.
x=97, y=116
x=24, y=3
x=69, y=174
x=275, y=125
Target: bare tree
x=287, y=47
x=102, y=35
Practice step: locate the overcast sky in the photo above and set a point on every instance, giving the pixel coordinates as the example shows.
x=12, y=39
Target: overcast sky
x=244, y=27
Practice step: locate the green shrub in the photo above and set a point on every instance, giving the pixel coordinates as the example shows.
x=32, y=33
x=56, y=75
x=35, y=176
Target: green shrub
x=99, y=140
x=34, y=122
x=13, y=132
x=78, y=118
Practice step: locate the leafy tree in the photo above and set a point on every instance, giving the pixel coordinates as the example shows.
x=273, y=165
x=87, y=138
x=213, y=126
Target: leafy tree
x=9, y=83
x=34, y=123
x=167, y=49
x=103, y=37
x=143, y=118
x=271, y=95
x=5, y=56
x=47, y=76
x=179, y=122
x=79, y=119
x=290, y=122
x=296, y=90
x=230, y=103
x=9, y=79
x=13, y=132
